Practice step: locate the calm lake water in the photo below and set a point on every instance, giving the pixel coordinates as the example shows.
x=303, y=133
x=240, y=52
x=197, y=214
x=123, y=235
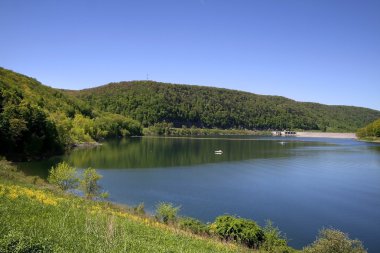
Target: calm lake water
x=302, y=185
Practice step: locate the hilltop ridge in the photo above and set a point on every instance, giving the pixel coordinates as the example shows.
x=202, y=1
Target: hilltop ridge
x=151, y=102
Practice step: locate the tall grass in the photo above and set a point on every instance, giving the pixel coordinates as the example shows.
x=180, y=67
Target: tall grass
x=40, y=218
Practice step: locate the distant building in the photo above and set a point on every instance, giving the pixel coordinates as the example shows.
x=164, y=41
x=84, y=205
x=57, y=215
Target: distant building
x=276, y=133
x=284, y=133
x=288, y=133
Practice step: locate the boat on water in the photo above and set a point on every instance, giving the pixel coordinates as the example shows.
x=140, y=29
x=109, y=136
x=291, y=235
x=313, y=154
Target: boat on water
x=218, y=152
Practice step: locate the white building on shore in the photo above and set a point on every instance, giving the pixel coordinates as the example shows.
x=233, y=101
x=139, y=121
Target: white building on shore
x=284, y=133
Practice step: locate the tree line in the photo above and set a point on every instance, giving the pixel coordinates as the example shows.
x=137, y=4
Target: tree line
x=206, y=107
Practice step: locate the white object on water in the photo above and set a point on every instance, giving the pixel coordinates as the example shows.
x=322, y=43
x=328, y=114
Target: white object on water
x=282, y=143
x=218, y=152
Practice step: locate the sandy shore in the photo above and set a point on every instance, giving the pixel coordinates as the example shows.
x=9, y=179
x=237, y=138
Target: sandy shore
x=327, y=135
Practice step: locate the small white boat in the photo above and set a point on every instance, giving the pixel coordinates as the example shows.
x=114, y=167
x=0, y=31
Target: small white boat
x=282, y=143
x=218, y=152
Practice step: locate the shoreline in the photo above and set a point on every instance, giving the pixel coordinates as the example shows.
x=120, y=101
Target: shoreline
x=370, y=140
x=86, y=144
x=326, y=135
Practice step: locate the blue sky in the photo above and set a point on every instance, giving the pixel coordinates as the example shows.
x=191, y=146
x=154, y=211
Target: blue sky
x=325, y=51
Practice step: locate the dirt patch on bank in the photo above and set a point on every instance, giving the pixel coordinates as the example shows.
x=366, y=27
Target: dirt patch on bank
x=327, y=135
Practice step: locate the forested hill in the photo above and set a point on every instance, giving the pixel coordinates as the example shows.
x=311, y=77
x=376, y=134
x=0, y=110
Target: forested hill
x=37, y=120
x=151, y=102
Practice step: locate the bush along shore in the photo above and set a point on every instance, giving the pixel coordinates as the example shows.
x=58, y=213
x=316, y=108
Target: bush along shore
x=167, y=129
x=40, y=216
x=370, y=133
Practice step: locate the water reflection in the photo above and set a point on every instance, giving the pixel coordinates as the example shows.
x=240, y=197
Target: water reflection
x=300, y=184
x=149, y=152
x=168, y=152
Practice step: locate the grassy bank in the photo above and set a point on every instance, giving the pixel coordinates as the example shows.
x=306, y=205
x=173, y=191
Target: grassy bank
x=37, y=217
x=55, y=223
x=34, y=216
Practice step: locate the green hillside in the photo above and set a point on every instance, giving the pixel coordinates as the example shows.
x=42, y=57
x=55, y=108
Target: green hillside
x=36, y=120
x=151, y=102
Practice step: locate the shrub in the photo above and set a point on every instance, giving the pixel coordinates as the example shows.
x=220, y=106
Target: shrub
x=273, y=237
x=334, y=241
x=371, y=130
x=193, y=225
x=166, y=212
x=244, y=231
x=64, y=176
x=139, y=209
x=89, y=184
x=162, y=128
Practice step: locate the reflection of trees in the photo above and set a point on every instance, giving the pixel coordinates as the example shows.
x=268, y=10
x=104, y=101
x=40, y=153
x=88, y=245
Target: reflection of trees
x=376, y=150
x=164, y=152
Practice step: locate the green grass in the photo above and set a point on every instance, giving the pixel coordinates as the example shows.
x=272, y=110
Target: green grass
x=36, y=217
x=70, y=224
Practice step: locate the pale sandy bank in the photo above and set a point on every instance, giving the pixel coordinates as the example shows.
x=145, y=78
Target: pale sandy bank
x=327, y=135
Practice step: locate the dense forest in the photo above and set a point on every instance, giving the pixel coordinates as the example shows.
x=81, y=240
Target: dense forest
x=36, y=120
x=370, y=132
x=205, y=107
